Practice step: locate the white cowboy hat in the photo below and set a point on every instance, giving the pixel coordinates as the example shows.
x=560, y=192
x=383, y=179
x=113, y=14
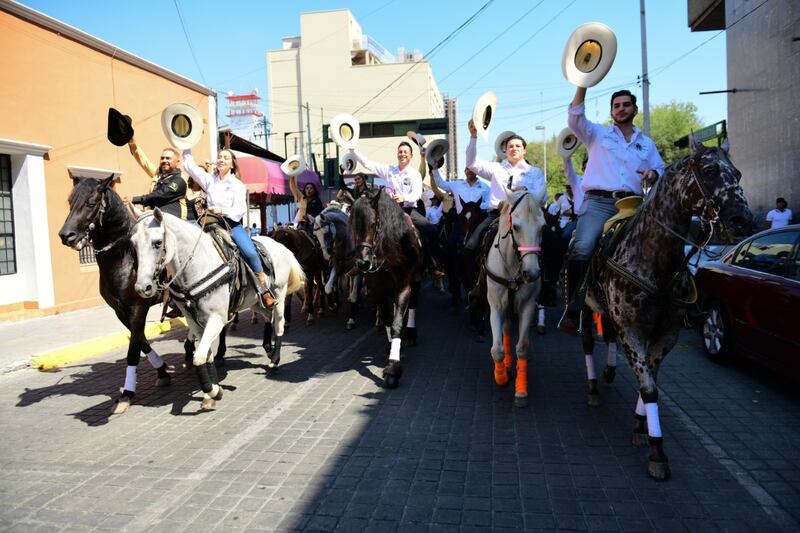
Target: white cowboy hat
x=436, y=152
x=500, y=143
x=483, y=113
x=182, y=124
x=589, y=54
x=418, y=138
x=567, y=143
x=345, y=130
x=294, y=165
x=348, y=163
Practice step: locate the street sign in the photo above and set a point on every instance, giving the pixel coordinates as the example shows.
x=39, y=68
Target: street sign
x=718, y=130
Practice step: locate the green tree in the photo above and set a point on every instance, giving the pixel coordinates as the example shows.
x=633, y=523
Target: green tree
x=668, y=123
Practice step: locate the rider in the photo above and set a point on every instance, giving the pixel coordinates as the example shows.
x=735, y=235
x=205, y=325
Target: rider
x=227, y=198
x=308, y=203
x=620, y=158
x=167, y=187
x=404, y=185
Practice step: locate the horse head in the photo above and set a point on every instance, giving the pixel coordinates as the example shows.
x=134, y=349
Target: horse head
x=520, y=231
x=154, y=249
x=713, y=191
x=469, y=218
x=325, y=231
x=364, y=225
x=88, y=203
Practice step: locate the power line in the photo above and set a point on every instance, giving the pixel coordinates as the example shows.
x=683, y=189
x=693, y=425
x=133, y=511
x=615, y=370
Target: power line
x=189, y=42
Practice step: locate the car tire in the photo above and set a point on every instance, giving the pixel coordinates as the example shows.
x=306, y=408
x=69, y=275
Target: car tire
x=716, y=334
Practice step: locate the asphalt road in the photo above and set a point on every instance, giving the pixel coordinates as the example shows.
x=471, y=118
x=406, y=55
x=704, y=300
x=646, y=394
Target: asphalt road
x=320, y=445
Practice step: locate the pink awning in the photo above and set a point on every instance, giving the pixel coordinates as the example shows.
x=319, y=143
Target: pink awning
x=264, y=175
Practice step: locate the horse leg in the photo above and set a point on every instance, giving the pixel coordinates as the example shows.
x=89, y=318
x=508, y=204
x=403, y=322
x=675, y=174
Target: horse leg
x=497, y=349
x=540, y=328
x=135, y=323
x=333, y=299
x=320, y=289
x=393, y=370
x=278, y=323
x=287, y=309
x=587, y=339
x=410, y=334
x=163, y=379
x=353, y=298
x=526, y=318
x=309, y=300
x=219, y=358
x=609, y=335
x=188, y=351
x=266, y=337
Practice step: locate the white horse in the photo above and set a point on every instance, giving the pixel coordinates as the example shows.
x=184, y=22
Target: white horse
x=513, y=284
x=201, y=273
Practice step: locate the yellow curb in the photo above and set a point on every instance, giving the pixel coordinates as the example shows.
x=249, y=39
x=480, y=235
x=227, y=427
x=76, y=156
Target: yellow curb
x=94, y=347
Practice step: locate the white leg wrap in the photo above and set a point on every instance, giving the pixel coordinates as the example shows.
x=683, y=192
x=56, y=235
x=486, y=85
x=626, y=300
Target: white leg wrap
x=590, y=373
x=653, y=424
x=214, y=390
x=331, y=281
x=155, y=359
x=640, y=407
x=130, y=378
x=412, y=318
x=394, y=353
x=612, y=354
x=541, y=316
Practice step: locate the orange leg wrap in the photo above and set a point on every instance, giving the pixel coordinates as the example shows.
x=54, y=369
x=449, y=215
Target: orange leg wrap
x=598, y=320
x=507, y=353
x=521, y=382
x=500, y=373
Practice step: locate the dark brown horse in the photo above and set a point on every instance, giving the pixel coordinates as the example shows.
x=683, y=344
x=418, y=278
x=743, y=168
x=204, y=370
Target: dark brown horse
x=389, y=253
x=469, y=218
x=309, y=255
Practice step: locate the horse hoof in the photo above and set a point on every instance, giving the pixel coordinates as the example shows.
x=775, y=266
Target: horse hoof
x=208, y=403
x=391, y=374
x=609, y=373
x=310, y=320
x=658, y=471
x=541, y=330
x=351, y=324
x=639, y=440
x=123, y=404
x=163, y=381
x=593, y=400
x=218, y=397
x=219, y=362
x=520, y=401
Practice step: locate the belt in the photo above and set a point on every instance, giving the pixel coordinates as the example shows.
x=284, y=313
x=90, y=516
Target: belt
x=610, y=194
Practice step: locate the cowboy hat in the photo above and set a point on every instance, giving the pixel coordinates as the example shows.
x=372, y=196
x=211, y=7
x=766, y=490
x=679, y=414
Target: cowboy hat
x=483, y=112
x=182, y=124
x=348, y=164
x=418, y=138
x=589, y=54
x=567, y=143
x=344, y=130
x=294, y=166
x=436, y=151
x=500, y=143
x=120, y=130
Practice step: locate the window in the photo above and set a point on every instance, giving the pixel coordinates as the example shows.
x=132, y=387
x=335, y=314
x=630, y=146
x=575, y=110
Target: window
x=771, y=254
x=8, y=256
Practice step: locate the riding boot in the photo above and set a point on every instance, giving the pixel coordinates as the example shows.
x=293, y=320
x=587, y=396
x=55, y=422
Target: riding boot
x=576, y=289
x=267, y=298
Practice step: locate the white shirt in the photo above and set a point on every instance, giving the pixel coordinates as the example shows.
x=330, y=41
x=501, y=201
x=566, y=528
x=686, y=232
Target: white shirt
x=462, y=190
x=575, y=181
x=564, y=210
x=434, y=214
x=522, y=175
x=228, y=195
x=406, y=182
x=779, y=219
x=613, y=161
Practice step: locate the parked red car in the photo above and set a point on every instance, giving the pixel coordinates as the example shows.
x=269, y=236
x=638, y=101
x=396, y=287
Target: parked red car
x=752, y=296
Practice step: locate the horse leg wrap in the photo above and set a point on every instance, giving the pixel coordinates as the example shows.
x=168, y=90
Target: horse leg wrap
x=130, y=378
x=394, y=351
x=500, y=373
x=640, y=412
x=155, y=359
x=521, y=381
x=590, y=372
x=541, y=315
x=205, y=380
x=412, y=318
x=507, y=353
x=653, y=423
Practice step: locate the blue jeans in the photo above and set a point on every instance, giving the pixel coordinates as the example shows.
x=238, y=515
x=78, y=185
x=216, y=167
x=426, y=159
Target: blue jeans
x=595, y=211
x=246, y=246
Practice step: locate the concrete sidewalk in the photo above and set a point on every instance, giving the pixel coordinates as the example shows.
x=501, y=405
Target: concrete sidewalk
x=52, y=341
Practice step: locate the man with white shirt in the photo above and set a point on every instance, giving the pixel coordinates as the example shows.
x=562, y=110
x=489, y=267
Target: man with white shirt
x=620, y=158
x=404, y=185
x=470, y=189
x=780, y=216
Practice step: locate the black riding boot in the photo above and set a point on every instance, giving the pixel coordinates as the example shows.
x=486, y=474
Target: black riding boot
x=576, y=288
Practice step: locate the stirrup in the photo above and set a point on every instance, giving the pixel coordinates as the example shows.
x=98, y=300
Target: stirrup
x=268, y=294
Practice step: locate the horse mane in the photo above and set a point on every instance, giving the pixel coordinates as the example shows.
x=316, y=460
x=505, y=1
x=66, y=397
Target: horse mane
x=116, y=216
x=392, y=218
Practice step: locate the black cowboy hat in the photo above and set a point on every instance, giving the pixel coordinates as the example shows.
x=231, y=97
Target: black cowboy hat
x=120, y=129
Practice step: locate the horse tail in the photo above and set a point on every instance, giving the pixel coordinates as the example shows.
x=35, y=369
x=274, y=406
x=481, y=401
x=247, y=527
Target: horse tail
x=297, y=277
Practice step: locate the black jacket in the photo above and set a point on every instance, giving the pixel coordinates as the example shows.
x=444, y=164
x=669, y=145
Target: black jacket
x=168, y=195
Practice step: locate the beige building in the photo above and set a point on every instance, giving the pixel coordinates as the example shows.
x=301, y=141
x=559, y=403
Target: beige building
x=335, y=68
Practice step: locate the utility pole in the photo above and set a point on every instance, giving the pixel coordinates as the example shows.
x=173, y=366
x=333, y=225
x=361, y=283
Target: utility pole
x=645, y=79
x=308, y=130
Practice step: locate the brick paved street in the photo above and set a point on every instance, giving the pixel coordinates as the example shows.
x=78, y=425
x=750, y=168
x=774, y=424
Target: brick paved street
x=321, y=446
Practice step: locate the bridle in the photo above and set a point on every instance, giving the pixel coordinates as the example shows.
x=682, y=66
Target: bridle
x=97, y=221
x=520, y=252
x=370, y=247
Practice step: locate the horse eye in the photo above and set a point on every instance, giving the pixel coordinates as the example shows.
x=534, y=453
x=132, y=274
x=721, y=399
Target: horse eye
x=91, y=204
x=157, y=244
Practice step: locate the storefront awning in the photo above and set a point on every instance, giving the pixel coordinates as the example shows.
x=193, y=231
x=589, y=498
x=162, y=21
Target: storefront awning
x=262, y=175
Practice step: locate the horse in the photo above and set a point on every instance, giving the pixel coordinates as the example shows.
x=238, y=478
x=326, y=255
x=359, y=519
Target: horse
x=642, y=285
x=202, y=283
x=310, y=257
x=513, y=284
x=389, y=254
x=98, y=216
x=331, y=227
x=469, y=218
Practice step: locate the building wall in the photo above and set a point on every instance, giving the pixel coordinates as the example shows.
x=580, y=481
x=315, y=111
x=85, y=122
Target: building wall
x=332, y=85
x=56, y=92
x=763, y=115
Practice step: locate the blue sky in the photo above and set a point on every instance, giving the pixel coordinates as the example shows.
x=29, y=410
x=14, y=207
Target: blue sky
x=521, y=63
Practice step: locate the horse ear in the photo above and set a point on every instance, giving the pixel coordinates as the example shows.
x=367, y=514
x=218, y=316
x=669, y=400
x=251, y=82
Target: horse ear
x=107, y=183
x=463, y=203
x=694, y=144
x=158, y=215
